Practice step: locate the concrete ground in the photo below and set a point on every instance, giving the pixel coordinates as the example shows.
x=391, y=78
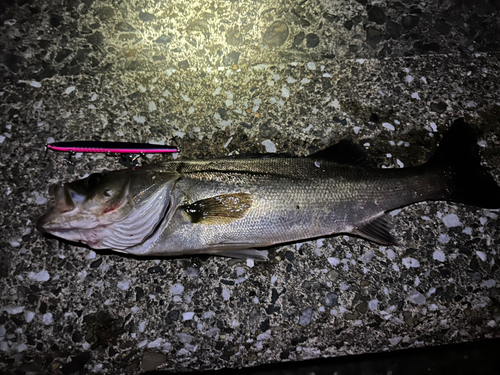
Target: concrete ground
x=232, y=77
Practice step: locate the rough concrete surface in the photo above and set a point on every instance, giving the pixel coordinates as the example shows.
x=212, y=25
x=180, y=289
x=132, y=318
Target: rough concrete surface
x=227, y=77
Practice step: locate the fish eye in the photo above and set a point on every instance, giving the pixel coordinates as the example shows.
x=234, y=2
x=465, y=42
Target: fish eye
x=93, y=180
x=108, y=193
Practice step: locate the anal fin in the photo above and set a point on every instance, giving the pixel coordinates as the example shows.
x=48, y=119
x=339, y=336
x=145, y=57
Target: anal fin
x=377, y=230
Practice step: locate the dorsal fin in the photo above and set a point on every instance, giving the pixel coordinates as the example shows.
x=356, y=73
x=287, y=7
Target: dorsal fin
x=344, y=152
x=259, y=156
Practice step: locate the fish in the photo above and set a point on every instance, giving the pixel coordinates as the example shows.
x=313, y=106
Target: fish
x=235, y=206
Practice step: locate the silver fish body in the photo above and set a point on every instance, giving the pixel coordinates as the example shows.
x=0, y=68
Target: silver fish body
x=232, y=206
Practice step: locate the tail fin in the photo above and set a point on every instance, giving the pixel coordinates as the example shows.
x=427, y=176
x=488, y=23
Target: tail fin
x=458, y=158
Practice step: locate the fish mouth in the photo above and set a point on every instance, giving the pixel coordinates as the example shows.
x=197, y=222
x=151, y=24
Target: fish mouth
x=62, y=197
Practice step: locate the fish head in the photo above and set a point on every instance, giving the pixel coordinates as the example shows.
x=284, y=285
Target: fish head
x=107, y=210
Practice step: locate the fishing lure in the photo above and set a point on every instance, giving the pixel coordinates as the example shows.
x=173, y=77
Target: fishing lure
x=111, y=147
x=125, y=150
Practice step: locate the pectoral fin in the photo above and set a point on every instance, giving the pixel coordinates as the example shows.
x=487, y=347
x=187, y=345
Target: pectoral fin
x=376, y=230
x=220, y=209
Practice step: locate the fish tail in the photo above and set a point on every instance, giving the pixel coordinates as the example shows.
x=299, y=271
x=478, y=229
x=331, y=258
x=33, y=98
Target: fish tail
x=457, y=158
